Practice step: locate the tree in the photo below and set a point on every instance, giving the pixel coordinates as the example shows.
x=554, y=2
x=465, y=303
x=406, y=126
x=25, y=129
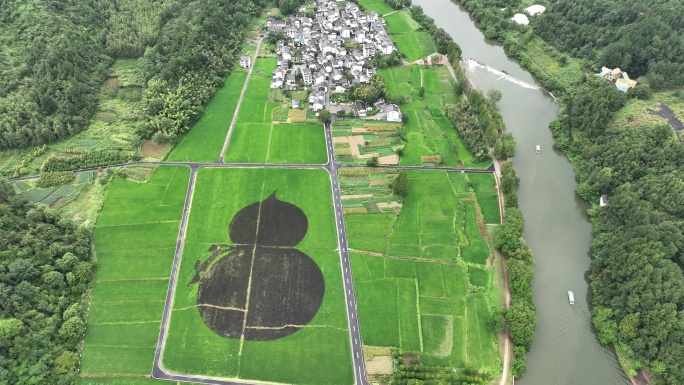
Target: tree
x=522, y=320
x=494, y=96
x=324, y=116
x=373, y=162
x=400, y=184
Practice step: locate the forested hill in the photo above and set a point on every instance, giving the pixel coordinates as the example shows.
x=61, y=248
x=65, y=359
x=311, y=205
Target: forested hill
x=54, y=57
x=643, y=38
x=45, y=269
x=52, y=61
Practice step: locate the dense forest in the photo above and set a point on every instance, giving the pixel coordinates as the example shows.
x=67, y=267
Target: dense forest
x=51, y=72
x=196, y=48
x=644, y=39
x=45, y=270
x=638, y=247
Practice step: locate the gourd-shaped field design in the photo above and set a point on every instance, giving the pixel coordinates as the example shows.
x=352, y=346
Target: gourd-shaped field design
x=271, y=294
x=262, y=288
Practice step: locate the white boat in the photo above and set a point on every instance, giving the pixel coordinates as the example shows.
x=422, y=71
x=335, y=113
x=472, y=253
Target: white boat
x=538, y=149
x=571, y=297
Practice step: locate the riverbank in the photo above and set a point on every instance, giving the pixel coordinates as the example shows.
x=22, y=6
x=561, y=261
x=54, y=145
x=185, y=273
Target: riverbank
x=627, y=123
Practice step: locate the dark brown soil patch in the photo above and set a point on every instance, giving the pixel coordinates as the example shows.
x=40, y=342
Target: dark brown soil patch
x=263, y=288
x=280, y=224
x=667, y=113
x=151, y=149
x=410, y=359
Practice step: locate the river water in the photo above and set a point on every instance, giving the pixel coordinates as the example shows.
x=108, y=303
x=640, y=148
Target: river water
x=565, y=350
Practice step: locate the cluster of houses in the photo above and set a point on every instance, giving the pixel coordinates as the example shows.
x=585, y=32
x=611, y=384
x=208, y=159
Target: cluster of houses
x=328, y=53
x=619, y=77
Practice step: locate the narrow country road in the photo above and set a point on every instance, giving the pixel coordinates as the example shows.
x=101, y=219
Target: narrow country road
x=237, y=108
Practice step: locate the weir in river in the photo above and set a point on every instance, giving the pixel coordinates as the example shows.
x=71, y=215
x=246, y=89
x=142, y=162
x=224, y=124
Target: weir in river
x=566, y=350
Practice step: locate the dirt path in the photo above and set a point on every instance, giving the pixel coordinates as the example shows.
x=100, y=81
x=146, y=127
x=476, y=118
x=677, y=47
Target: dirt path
x=237, y=109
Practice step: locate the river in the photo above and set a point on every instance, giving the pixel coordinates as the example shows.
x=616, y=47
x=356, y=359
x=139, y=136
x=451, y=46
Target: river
x=565, y=349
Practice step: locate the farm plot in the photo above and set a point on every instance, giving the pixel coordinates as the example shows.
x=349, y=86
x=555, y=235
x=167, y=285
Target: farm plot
x=430, y=139
x=256, y=139
x=416, y=287
x=134, y=239
x=357, y=142
x=425, y=307
x=401, y=22
x=487, y=196
x=271, y=234
x=414, y=45
x=277, y=143
x=204, y=141
x=378, y=6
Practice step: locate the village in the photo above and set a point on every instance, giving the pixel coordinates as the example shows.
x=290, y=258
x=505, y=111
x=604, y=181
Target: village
x=330, y=54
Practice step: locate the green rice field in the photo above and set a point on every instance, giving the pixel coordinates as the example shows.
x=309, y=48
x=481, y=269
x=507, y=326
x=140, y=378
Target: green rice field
x=401, y=22
x=428, y=132
x=376, y=5
x=257, y=138
x=414, y=270
x=204, y=141
x=134, y=239
x=415, y=45
x=191, y=346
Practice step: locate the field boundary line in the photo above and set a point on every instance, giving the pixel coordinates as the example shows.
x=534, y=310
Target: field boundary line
x=167, y=186
x=131, y=279
x=413, y=259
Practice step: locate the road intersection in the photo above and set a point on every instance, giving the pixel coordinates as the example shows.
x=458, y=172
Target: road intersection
x=356, y=344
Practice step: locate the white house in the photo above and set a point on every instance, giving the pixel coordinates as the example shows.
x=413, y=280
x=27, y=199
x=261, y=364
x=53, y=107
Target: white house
x=368, y=50
x=245, y=61
x=286, y=53
x=306, y=75
x=393, y=113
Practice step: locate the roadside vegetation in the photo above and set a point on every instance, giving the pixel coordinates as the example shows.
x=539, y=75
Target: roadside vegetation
x=620, y=149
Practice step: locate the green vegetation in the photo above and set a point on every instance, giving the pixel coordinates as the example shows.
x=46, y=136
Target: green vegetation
x=401, y=22
x=413, y=289
x=256, y=139
x=357, y=141
x=135, y=239
x=606, y=141
x=203, y=143
x=487, y=197
x=430, y=137
x=46, y=270
x=192, y=346
x=380, y=6
x=414, y=45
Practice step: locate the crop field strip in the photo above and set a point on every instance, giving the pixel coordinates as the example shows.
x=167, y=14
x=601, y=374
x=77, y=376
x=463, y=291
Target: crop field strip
x=257, y=138
x=204, y=140
x=134, y=245
x=435, y=311
x=191, y=346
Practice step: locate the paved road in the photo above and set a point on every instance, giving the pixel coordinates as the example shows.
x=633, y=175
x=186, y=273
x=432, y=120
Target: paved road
x=360, y=377
x=355, y=341
x=237, y=108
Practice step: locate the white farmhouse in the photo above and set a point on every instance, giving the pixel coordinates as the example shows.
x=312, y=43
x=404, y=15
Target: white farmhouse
x=245, y=61
x=393, y=113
